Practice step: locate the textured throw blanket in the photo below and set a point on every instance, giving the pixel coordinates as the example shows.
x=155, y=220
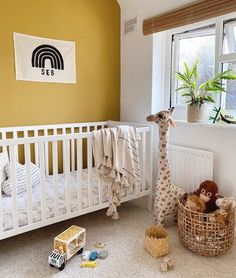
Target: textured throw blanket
x=117, y=159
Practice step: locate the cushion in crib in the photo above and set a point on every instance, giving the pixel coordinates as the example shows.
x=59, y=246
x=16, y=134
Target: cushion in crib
x=3, y=162
x=21, y=180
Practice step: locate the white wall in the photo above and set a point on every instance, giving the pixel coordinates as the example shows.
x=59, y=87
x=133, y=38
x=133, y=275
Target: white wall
x=137, y=59
x=141, y=93
x=220, y=140
x=136, y=77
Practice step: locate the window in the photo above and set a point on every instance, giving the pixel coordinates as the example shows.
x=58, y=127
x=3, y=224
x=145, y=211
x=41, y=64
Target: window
x=229, y=63
x=229, y=43
x=229, y=99
x=214, y=45
x=187, y=47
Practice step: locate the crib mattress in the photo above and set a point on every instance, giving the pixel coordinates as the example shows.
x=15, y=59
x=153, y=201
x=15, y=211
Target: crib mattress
x=49, y=196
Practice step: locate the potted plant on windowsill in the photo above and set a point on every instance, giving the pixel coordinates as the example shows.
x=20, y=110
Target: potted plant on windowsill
x=198, y=96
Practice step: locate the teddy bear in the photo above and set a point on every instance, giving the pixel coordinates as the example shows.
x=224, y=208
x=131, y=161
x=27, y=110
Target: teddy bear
x=195, y=203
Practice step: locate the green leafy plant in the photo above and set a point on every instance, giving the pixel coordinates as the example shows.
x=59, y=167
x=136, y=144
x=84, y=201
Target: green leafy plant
x=199, y=94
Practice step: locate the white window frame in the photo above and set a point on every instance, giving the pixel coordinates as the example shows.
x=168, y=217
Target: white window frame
x=220, y=58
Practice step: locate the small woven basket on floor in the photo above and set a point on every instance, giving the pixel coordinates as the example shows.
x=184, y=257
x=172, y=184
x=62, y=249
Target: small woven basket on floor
x=157, y=241
x=199, y=233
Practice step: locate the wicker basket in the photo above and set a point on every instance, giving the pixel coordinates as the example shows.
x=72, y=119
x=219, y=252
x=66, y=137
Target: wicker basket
x=200, y=234
x=157, y=241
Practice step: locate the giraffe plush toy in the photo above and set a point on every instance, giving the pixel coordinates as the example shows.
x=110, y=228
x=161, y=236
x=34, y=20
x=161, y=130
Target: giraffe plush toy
x=167, y=194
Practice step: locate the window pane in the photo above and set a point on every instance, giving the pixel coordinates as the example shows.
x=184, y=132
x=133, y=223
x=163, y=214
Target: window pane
x=200, y=47
x=229, y=44
x=230, y=96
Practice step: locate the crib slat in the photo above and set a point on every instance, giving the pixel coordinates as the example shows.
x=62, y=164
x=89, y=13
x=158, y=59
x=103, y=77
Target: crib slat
x=64, y=146
x=100, y=201
x=28, y=182
x=72, y=152
x=1, y=215
x=36, y=149
x=55, y=176
x=99, y=180
x=13, y=186
x=42, y=180
x=66, y=158
x=79, y=172
x=46, y=153
x=4, y=136
x=25, y=136
x=144, y=161
x=89, y=161
x=89, y=174
x=81, y=167
x=16, y=147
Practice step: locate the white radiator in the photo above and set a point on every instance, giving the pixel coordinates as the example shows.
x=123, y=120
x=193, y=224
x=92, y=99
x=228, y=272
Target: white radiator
x=189, y=167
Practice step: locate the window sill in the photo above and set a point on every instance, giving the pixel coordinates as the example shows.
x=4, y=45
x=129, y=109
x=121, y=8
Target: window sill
x=205, y=125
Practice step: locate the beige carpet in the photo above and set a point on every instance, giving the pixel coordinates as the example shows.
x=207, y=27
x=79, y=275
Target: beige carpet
x=26, y=255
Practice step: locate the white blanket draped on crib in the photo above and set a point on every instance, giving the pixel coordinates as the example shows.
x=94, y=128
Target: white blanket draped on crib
x=117, y=160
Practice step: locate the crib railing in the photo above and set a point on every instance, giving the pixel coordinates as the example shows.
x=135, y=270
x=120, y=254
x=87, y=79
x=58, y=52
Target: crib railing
x=45, y=130
x=73, y=144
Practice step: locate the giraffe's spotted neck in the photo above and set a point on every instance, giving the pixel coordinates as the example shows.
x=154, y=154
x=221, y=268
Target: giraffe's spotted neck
x=163, y=163
x=163, y=142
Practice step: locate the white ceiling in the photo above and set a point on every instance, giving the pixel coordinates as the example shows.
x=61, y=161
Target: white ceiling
x=147, y=8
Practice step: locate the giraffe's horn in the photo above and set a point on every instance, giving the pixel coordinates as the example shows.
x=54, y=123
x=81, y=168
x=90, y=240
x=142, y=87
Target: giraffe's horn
x=171, y=123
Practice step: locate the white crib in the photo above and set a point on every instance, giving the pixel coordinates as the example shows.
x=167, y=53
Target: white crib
x=69, y=185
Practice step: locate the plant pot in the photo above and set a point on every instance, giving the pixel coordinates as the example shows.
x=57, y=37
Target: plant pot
x=198, y=114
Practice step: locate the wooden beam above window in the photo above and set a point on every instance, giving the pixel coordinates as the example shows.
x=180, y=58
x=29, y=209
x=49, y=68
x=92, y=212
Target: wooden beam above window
x=198, y=11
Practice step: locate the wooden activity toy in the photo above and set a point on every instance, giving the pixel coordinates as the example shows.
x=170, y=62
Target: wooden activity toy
x=66, y=245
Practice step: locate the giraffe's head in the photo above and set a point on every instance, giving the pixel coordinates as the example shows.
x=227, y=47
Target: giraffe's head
x=163, y=117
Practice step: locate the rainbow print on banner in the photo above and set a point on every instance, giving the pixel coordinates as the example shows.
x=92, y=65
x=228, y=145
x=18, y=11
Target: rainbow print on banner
x=44, y=60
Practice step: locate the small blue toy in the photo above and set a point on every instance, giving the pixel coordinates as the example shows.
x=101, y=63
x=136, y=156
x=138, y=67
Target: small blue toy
x=93, y=256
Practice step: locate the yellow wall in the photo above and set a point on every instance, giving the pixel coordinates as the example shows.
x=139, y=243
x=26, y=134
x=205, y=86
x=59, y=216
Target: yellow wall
x=95, y=27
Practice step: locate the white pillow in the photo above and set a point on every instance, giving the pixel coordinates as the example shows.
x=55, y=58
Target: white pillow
x=21, y=181
x=3, y=162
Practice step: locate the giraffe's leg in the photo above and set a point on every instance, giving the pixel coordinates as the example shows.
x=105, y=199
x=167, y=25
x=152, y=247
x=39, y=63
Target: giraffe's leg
x=159, y=216
x=176, y=216
x=176, y=210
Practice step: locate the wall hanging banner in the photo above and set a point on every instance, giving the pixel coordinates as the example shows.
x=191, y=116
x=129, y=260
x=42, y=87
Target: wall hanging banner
x=44, y=60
